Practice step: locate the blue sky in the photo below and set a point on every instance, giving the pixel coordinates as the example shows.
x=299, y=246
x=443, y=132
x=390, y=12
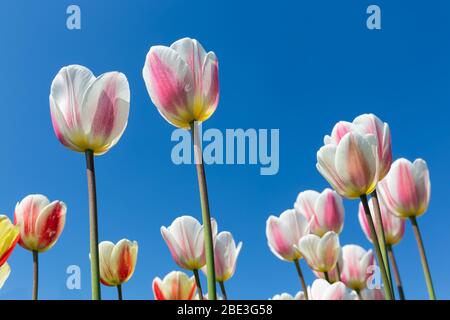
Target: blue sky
x=297, y=67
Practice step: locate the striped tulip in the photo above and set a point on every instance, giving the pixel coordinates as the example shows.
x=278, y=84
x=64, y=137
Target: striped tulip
x=185, y=239
x=284, y=232
x=350, y=166
x=117, y=261
x=182, y=81
x=321, y=253
x=406, y=188
x=393, y=226
x=9, y=236
x=322, y=290
x=325, y=210
x=286, y=296
x=175, y=286
x=225, y=256
x=5, y=271
x=355, y=267
x=89, y=113
x=40, y=222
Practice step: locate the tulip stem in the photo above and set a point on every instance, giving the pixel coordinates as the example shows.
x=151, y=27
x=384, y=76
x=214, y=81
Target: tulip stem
x=358, y=292
x=93, y=225
x=373, y=235
x=327, y=277
x=302, y=279
x=382, y=238
x=222, y=288
x=35, y=274
x=423, y=258
x=206, y=217
x=398, y=281
x=338, y=271
x=119, y=292
x=197, y=282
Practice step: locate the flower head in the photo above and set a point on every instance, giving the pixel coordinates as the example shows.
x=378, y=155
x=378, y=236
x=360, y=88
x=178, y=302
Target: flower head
x=117, y=261
x=175, y=286
x=322, y=290
x=9, y=236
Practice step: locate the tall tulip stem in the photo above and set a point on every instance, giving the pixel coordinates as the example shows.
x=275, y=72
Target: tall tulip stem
x=338, y=271
x=222, y=289
x=206, y=217
x=93, y=225
x=381, y=237
x=423, y=257
x=119, y=292
x=398, y=281
x=35, y=274
x=327, y=277
x=373, y=235
x=198, y=283
x=302, y=279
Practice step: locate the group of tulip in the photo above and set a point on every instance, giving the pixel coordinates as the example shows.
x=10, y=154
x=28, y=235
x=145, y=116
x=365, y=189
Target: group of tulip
x=357, y=161
x=185, y=239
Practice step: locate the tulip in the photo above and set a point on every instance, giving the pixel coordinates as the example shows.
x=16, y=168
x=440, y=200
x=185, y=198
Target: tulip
x=175, y=286
x=406, y=190
x=89, y=115
x=325, y=210
x=183, y=83
x=225, y=258
x=283, y=234
x=322, y=290
x=9, y=236
x=286, y=296
x=5, y=271
x=333, y=275
x=117, y=262
x=321, y=253
x=355, y=266
x=372, y=294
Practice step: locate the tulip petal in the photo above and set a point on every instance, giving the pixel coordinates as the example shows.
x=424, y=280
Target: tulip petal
x=107, y=274
x=49, y=225
x=5, y=271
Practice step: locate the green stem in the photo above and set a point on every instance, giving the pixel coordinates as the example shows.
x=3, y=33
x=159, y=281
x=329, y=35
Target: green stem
x=373, y=235
x=338, y=271
x=35, y=275
x=302, y=279
x=119, y=292
x=358, y=292
x=423, y=258
x=381, y=237
x=206, y=217
x=326, y=276
x=222, y=288
x=93, y=226
x=198, y=283
x=398, y=281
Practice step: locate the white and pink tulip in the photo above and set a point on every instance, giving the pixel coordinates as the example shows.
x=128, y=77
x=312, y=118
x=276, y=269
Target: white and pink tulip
x=175, y=286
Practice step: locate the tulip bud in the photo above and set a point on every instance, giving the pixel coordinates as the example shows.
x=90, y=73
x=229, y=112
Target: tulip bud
x=406, y=188
x=89, y=113
x=355, y=266
x=182, y=81
x=325, y=210
x=175, y=286
x=117, y=261
x=9, y=235
x=321, y=254
x=322, y=290
x=185, y=240
x=284, y=232
x=40, y=222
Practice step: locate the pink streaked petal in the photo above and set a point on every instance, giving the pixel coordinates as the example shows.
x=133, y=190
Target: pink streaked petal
x=50, y=224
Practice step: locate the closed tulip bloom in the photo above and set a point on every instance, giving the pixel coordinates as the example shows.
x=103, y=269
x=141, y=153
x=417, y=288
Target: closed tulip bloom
x=117, y=261
x=333, y=274
x=393, y=226
x=225, y=256
x=370, y=123
x=5, y=270
x=9, y=236
x=351, y=165
x=185, y=239
x=372, y=294
x=321, y=253
x=355, y=267
x=89, y=113
x=406, y=188
x=322, y=290
x=175, y=286
x=182, y=81
x=284, y=232
x=325, y=210
x=286, y=296
x=40, y=222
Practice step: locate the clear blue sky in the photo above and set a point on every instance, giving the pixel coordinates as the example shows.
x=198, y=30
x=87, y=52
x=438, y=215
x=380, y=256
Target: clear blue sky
x=299, y=67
